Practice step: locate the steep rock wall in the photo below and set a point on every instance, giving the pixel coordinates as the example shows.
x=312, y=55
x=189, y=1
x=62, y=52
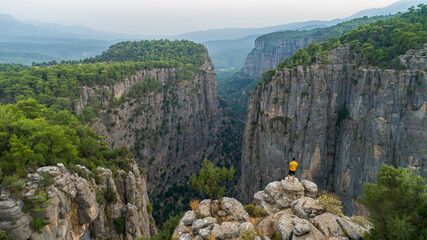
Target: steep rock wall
x=169, y=129
x=76, y=207
x=267, y=55
x=340, y=122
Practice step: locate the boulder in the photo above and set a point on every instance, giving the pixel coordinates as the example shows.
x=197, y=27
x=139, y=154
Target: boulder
x=310, y=188
x=292, y=189
x=226, y=230
x=301, y=226
x=189, y=218
x=202, y=223
x=328, y=225
x=246, y=226
x=351, y=230
x=296, y=228
x=267, y=225
x=234, y=210
x=306, y=207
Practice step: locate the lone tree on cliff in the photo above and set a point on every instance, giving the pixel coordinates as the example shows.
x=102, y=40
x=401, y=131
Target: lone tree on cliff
x=211, y=179
x=398, y=204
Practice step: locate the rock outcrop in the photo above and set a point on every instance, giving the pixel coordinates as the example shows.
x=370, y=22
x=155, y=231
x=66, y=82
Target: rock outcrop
x=340, y=120
x=303, y=218
x=170, y=128
x=74, y=206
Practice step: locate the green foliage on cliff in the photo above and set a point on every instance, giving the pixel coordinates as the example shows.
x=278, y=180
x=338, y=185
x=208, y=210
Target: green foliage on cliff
x=37, y=224
x=33, y=136
x=5, y=236
x=184, y=52
x=59, y=85
x=168, y=228
x=319, y=34
x=210, y=179
x=119, y=224
x=379, y=43
x=398, y=204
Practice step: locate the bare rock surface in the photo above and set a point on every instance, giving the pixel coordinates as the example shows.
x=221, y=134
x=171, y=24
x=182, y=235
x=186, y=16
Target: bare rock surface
x=78, y=208
x=302, y=219
x=299, y=113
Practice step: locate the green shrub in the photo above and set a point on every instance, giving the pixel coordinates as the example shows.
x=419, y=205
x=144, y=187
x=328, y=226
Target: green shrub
x=277, y=236
x=47, y=179
x=149, y=208
x=111, y=196
x=248, y=234
x=398, y=204
x=37, y=224
x=5, y=236
x=255, y=211
x=331, y=203
x=119, y=224
x=39, y=203
x=168, y=228
x=14, y=185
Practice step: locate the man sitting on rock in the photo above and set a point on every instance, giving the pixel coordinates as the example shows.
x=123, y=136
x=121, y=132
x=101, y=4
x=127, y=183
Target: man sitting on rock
x=292, y=169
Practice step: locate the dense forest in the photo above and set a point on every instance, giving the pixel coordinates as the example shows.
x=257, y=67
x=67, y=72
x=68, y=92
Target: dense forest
x=60, y=84
x=33, y=135
x=320, y=34
x=37, y=127
x=380, y=43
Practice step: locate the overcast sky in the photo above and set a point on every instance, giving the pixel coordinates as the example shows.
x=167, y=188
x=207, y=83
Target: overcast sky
x=167, y=17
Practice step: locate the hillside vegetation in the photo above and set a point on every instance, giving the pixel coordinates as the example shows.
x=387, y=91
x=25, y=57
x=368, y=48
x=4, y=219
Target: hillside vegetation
x=58, y=85
x=33, y=136
x=380, y=43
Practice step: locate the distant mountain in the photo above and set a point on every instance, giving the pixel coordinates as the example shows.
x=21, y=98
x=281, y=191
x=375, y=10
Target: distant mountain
x=400, y=6
x=86, y=32
x=27, y=42
x=227, y=54
x=237, y=33
x=232, y=57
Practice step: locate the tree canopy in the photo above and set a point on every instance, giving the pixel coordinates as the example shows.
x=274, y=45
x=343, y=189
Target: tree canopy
x=33, y=136
x=380, y=43
x=210, y=180
x=398, y=204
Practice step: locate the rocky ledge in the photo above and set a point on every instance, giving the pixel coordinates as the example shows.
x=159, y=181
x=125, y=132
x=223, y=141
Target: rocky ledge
x=74, y=206
x=291, y=211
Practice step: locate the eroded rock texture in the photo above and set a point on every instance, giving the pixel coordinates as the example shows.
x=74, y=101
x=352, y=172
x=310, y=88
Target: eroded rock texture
x=305, y=220
x=340, y=121
x=76, y=207
x=169, y=128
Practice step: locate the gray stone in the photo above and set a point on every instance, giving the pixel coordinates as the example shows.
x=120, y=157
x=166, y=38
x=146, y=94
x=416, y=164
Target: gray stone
x=246, y=226
x=189, y=218
x=234, y=210
x=351, y=230
x=306, y=207
x=225, y=230
x=202, y=223
x=310, y=188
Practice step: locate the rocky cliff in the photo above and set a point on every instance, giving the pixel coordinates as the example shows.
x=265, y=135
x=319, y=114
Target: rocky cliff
x=74, y=206
x=285, y=210
x=271, y=49
x=267, y=55
x=340, y=120
x=169, y=118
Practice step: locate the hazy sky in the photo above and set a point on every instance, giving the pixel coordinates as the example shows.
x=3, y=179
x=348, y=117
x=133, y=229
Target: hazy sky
x=166, y=17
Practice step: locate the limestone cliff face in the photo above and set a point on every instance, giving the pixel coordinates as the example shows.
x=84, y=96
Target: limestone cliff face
x=340, y=122
x=267, y=55
x=76, y=207
x=169, y=129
